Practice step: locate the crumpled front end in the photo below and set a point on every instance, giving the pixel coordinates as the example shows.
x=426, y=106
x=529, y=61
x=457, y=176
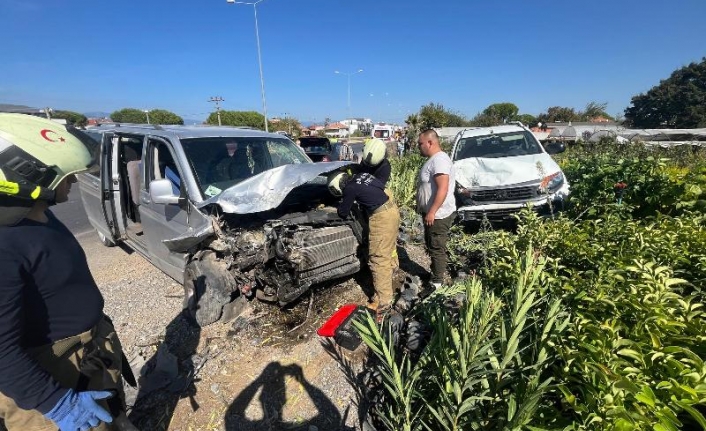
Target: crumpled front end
x=282, y=258
x=501, y=204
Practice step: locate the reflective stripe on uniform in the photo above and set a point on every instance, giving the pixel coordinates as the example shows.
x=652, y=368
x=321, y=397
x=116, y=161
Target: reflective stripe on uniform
x=9, y=188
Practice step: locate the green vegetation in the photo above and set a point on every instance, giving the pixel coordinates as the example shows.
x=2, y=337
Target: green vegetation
x=238, y=118
x=591, y=320
x=678, y=101
x=138, y=116
x=72, y=118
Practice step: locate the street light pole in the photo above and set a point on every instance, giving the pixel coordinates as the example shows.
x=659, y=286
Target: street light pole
x=350, y=116
x=147, y=112
x=259, y=57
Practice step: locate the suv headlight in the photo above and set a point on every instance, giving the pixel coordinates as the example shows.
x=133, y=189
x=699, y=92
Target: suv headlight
x=551, y=183
x=464, y=195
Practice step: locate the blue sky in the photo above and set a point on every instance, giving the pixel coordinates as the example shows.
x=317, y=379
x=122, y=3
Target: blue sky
x=175, y=54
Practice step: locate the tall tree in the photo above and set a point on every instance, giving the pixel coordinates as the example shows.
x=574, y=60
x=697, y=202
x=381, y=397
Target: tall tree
x=129, y=115
x=558, y=113
x=161, y=116
x=73, y=118
x=528, y=120
x=504, y=112
x=290, y=125
x=238, y=118
x=595, y=110
x=435, y=115
x=678, y=101
x=138, y=116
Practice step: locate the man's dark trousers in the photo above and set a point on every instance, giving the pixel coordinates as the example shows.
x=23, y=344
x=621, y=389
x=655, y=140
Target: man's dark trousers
x=435, y=238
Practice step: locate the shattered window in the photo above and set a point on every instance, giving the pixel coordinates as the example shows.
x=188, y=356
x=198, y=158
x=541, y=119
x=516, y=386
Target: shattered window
x=497, y=145
x=221, y=162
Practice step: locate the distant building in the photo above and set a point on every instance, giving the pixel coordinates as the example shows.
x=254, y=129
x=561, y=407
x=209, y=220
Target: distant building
x=336, y=130
x=364, y=125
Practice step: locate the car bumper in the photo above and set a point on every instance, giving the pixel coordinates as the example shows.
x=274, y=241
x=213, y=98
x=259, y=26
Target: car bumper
x=504, y=212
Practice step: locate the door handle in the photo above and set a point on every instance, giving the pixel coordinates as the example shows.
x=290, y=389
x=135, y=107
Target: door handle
x=144, y=200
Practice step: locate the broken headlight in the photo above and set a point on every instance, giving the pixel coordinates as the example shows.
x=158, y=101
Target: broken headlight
x=551, y=183
x=464, y=195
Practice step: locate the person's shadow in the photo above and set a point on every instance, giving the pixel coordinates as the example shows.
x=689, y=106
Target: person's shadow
x=273, y=397
x=168, y=376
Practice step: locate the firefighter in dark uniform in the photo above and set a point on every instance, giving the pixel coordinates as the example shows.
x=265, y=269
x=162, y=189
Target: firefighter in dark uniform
x=383, y=223
x=374, y=161
x=61, y=361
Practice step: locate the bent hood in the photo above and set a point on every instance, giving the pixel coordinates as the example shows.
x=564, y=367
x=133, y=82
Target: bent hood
x=503, y=171
x=268, y=189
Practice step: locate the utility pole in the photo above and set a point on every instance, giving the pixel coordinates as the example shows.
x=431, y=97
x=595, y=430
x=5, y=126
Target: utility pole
x=218, y=100
x=289, y=123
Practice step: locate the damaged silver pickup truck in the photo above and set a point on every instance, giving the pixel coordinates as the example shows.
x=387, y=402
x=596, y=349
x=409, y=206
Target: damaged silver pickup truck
x=233, y=213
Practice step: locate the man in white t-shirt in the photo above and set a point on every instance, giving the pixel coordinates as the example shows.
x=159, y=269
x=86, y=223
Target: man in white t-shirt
x=436, y=202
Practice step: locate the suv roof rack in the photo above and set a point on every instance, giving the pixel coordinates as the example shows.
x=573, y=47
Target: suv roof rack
x=117, y=124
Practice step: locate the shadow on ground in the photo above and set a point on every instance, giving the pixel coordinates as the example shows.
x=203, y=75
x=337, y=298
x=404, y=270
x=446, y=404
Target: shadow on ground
x=167, y=376
x=271, y=386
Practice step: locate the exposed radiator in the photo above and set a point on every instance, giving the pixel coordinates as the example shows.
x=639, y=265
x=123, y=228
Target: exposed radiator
x=319, y=247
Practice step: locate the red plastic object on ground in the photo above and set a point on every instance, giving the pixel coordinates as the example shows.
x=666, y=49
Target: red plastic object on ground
x=340, y=326
x=328, y=329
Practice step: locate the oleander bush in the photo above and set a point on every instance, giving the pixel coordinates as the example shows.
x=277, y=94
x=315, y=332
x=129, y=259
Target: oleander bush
x=591, y=320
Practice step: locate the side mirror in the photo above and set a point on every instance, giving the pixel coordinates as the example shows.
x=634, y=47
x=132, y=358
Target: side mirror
x=555, y=147
x=161, y=192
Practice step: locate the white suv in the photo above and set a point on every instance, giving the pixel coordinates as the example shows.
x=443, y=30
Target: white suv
x=499, y=170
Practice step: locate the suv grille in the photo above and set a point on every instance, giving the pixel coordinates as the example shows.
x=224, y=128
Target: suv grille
x=506, y=194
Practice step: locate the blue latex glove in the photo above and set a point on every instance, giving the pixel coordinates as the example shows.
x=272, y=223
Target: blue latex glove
x=79, y=411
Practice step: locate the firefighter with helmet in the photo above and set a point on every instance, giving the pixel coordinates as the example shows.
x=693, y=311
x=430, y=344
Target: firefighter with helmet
x=62, y=363
x=374, y=161
x=383, y=225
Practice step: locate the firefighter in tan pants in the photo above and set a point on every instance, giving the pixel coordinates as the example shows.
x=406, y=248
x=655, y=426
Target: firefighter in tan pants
x=384, y=223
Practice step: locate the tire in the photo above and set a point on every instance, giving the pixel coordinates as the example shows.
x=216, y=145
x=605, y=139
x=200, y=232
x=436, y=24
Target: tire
x=207, y=289
x=105, y=241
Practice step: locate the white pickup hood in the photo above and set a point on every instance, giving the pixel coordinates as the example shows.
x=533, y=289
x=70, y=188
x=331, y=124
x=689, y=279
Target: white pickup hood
x=503, y=171
x=268, y=189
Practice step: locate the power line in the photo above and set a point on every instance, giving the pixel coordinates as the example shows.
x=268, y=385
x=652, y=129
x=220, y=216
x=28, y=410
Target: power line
x=217, y=100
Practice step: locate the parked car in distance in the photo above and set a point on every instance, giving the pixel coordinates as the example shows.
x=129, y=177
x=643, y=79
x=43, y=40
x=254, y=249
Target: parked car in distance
x=319, y=149
x=235, y=214
x=500, y=170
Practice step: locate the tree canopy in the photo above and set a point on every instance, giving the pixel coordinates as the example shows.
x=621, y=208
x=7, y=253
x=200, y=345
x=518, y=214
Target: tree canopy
x=73, y=118
x=161, y=116
x=288, y=124
x=678, y=101
x=238, y=118
x=558, y=114
x=138, y=116
x=435, y=115
x=595, y=110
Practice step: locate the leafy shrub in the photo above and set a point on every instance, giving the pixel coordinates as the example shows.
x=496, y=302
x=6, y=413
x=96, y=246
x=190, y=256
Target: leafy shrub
x=599, y=325
x=403, y=180
x=487, y=364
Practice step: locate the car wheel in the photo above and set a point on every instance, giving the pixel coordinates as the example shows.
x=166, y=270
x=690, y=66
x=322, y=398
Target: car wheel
x=207, y=289
x=105, y=241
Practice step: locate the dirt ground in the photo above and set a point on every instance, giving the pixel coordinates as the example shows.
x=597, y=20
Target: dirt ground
x=266, y=370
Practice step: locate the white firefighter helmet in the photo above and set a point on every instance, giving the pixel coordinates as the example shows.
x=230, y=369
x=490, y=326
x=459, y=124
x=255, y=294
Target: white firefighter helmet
x=374, y=152
x=36, y=154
